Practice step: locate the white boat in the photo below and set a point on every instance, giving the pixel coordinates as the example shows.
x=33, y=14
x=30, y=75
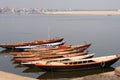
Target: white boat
x=44, y=61
x=79, y=64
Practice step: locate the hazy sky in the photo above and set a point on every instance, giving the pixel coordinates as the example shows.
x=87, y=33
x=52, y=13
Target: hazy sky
x=62, y=4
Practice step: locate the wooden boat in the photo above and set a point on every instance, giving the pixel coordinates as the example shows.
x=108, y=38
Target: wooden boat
x=19, y=60
x=54, y=44
x=21, y=53
x=64, y=48
x=48, y=57
x=31, y=63
x=35, y=54
x=80, y=47
x=35, y=42
x=48, y=45
x=59, y=50
x=98, y=62
x=44, y=54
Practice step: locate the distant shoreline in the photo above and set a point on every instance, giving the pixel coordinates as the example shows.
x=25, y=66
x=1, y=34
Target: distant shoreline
x=109, y=13
x=8, y=10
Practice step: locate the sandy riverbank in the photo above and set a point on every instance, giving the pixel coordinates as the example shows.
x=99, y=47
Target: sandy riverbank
x=102, y=76
x=10, y=76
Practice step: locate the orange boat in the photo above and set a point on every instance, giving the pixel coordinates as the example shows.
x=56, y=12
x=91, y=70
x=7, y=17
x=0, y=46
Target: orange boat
x=35, y=42
x=48, y=57
x=60, y=50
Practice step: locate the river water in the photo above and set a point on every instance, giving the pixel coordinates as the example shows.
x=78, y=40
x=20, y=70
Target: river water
x=102, y=31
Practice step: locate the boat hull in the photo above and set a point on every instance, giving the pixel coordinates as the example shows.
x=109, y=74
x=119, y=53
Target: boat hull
x=78, y=66
x=36, y=42
x=32, y=64
x=22, y=48
x=19, y=60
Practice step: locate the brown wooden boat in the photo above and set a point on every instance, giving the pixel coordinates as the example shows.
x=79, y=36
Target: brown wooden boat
x=31, y=63
x=48, y=57
x=61, y=49
x=21, y=53
x=82, y=47
x=98, y=62
x=35, y=42
x=45, y=54
x=47, y=46
x=65, y=48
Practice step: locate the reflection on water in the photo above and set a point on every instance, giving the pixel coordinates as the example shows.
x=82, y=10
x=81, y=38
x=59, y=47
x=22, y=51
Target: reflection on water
x=73, y=74
x=19, y=66
x=5, y=51
x=33, y=70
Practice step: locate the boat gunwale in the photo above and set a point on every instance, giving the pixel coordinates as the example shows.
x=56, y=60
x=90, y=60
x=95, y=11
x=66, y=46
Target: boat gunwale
x=82, y=64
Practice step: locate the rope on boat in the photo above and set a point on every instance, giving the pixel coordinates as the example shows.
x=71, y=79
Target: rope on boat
x=102, y=64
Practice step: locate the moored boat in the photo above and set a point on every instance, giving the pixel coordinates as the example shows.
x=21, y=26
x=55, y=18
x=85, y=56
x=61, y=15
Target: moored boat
x=48, y=45
x=35, y=42
x=44, y=54
x=98, y=62
x=21, y=53
x=48, y=57
x=31, y=63
x=63, y=49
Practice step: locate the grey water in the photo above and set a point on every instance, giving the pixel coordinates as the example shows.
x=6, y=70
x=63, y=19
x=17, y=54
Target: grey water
x=102, y=31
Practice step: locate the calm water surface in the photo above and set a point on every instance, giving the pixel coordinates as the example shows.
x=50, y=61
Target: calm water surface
x=102, y=31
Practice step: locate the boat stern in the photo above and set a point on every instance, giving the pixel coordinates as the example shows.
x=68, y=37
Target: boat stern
x=118, y=55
